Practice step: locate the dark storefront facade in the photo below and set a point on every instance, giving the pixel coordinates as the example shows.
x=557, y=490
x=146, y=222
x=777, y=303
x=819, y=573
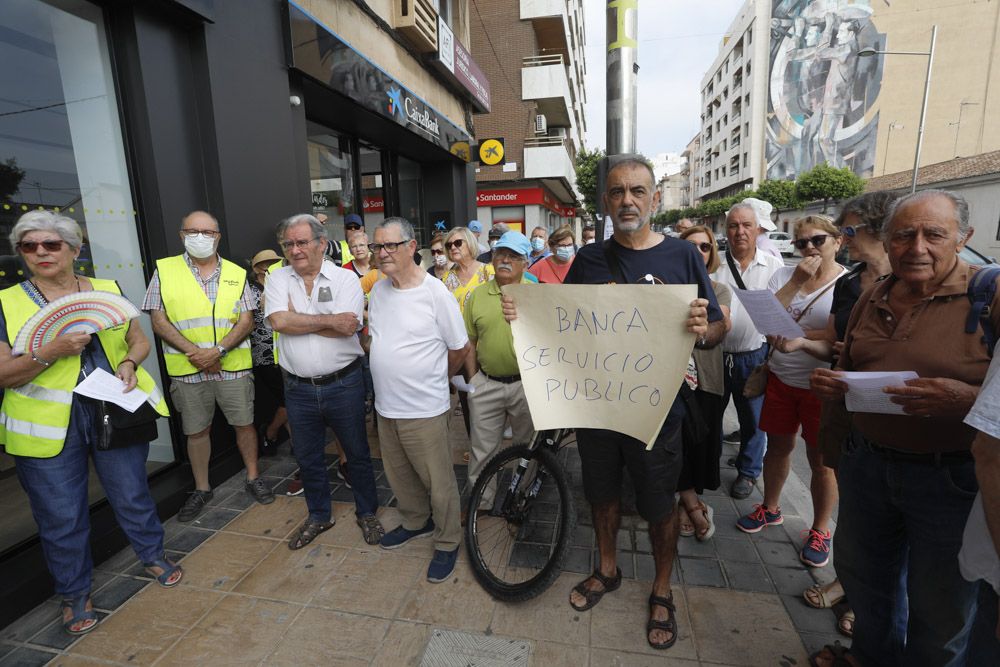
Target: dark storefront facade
x=127, y=115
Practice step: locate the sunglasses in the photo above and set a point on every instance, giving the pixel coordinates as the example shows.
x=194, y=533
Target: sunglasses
x=704, y=247
x=457, y=243
x=29, y=247
x=816, y=241
x=851, y=232
x=438, y=251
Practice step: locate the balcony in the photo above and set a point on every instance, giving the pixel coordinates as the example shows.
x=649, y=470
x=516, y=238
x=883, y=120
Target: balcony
x=549, y=159
x=544, y=80
x=551, y=24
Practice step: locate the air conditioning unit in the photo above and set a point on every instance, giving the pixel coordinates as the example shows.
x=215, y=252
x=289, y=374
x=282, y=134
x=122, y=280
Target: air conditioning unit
x=541, y=126
x=417, y=21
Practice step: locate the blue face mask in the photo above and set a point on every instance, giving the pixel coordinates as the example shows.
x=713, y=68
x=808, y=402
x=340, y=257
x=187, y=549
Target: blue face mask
x=537, y=243
x=565, y=252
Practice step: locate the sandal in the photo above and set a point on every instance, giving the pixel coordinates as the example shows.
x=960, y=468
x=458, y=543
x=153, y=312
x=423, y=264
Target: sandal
x=819, y=596
x=371, y=528
x=670, y=625
x=845, y=624
x=171, y=574
x=592, y=597
x=687, y=526
x=710, y=531
x=85, y=618
x=308, y=532
x=833, y=655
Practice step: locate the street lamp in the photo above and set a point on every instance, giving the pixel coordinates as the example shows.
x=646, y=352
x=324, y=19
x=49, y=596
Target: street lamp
x=885, y=158
x=958, y=123
x=869, y=51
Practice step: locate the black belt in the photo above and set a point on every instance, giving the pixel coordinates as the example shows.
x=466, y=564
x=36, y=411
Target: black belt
x=332, y=377
x=506, y=379
x=936, y=459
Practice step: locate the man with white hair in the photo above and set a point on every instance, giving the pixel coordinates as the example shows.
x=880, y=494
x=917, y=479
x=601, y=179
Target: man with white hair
x=746, y=266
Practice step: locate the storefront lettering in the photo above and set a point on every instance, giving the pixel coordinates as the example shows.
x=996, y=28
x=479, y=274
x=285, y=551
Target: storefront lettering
x=421, y=118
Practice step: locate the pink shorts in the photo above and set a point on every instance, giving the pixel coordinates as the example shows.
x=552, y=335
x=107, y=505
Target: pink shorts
x=786, y=408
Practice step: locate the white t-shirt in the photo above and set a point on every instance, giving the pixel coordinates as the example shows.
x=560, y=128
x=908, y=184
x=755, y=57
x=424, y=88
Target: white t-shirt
x=412, y=331
x=794, y=369
x=335, y=290
x=744, y=337
x=978, y=558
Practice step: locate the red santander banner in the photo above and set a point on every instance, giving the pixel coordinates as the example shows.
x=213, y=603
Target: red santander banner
x=521, y=197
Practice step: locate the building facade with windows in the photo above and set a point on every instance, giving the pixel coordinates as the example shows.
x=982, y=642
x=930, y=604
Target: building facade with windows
x=533, y=54
x=128, y=115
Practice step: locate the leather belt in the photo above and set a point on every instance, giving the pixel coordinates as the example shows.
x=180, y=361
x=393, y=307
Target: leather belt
x=936, y=459
x=320, y=380
x=506, y=379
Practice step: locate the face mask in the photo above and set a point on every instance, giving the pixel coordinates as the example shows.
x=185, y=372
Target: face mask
x=199, y=246
x=589, y=241
x=440, y=260
x=537, y=243
x=493, y=244
x=564, y=253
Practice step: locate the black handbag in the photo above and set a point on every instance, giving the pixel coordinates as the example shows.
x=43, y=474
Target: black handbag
x=117, y=427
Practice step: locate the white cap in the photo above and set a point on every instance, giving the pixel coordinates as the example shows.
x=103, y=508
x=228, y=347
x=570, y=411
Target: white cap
x=762, y=211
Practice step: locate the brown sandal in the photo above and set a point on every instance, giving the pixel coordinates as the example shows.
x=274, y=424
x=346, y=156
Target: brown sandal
x=308, y=532
x=592, y=597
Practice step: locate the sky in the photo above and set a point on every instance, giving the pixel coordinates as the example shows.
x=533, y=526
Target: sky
x=678, y=40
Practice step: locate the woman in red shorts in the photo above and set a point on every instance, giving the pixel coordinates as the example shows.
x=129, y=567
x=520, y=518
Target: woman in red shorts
x=806, y=291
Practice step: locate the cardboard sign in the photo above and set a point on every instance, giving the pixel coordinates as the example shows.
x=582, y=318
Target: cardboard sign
x=602, y=356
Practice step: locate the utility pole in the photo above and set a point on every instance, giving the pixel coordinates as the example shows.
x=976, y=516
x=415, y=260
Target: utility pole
x=622, y=74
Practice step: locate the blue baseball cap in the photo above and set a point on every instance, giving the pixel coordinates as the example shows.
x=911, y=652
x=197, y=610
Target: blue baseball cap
x=353, y=219
x=515, y=241
x=475, y=226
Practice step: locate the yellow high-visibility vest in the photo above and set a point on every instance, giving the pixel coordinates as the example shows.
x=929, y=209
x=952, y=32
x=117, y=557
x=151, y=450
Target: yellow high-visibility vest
x=34, y=417
x=201, y=322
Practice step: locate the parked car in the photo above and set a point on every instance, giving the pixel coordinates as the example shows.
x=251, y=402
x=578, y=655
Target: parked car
x=783, y=241
x=722, y=242
x=971, y=256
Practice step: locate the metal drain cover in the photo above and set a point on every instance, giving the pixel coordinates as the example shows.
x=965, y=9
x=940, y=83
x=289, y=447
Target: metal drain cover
x=449, y=648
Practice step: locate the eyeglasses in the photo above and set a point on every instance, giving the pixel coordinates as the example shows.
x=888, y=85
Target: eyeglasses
x=196, y=232
x=457, y=243
x=28, y=247
x=439, y=251
x=851, y=232
x=704, y=247
x=390, y=247
x=300, y=244
x=816, y=241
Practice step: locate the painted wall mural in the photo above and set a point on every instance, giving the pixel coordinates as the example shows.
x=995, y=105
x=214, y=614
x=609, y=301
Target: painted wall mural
x=821, y=94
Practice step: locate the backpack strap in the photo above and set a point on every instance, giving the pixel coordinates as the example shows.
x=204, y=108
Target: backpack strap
x=981, y=292
x=611, y=258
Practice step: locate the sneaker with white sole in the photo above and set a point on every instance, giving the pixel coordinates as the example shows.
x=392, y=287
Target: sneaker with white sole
x=442, y=566
x=399, y=536
x=760, y=518
x=816, y=551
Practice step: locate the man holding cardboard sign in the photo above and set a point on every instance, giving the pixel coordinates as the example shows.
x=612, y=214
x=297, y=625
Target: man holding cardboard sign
x=635, y=254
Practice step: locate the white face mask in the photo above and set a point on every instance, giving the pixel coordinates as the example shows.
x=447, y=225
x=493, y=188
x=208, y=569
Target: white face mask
x=564, y=253
x=589, y=241
x=199, y=246
x=537, y=243
x=440, y=260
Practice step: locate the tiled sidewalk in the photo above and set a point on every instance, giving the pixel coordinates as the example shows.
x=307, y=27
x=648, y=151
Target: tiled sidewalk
x=246, y=599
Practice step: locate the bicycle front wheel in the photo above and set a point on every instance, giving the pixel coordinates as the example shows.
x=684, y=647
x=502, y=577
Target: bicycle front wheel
x=517, y=545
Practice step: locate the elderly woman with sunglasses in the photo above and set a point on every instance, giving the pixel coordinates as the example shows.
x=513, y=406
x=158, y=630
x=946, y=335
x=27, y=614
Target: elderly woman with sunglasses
x=703, y=446
x=806, y=291
x=441, y=264
x=52, y=432
x=467, y=273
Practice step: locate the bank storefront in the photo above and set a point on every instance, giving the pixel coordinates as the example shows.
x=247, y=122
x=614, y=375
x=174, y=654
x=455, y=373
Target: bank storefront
x=126, y=116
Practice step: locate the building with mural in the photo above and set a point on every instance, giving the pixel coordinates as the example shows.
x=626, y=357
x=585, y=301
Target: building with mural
x=807, y=95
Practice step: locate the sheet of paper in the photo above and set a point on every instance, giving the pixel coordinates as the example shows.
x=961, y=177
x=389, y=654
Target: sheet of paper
x=602, y=356
x=462, y=385
x=104, y=386
x=768, y=315
x=864, y=393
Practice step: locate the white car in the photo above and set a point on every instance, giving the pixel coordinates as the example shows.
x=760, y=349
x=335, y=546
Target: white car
x=783, y=241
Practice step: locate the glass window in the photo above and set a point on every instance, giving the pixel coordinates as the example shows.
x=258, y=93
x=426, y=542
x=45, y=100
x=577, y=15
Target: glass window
x=411, y=201
x=61, y=149
x=372, y=188
x=331, y=177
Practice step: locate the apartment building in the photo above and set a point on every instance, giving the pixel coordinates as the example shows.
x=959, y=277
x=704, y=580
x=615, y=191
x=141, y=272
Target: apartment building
x=532, y=52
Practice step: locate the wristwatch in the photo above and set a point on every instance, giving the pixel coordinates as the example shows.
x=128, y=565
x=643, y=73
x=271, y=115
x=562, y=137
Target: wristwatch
x=222, y=350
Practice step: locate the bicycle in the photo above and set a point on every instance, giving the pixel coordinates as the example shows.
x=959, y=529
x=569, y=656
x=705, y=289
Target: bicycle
x=517, y=546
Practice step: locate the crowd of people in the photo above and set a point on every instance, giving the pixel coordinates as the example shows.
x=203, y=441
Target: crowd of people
x=327, y=332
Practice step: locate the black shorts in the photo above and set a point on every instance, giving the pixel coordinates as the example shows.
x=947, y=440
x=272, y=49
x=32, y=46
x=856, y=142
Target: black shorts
x=654, y=473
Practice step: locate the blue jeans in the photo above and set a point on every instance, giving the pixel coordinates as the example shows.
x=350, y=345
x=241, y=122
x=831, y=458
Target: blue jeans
x=341, y=406
x=57, y=492
x=753, y=441
x=898, y=537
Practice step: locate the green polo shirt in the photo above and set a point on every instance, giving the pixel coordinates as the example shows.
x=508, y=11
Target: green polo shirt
x=491, y=333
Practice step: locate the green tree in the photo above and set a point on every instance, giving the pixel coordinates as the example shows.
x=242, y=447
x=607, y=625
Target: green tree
x=826, y=183
x=587, y=163
x=10, y=178
x=780, y=194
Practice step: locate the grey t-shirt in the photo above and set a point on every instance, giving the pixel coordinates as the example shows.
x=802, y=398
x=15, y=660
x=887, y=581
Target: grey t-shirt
x=978, y=558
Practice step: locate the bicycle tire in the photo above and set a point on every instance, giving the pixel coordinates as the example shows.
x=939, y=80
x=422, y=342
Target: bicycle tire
x=495, y=571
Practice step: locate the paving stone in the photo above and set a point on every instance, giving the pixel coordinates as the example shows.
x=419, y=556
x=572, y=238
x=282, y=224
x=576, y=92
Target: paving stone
x=215, y=518
x=645, y=567
x=583, y=536
x=725, y=526
x=790, y=580
x=739, y=549
x=578, y=560
x=748, y=577
x=242, y=500
x=54, y=636
x=342, y=494
x=118, y=591
x=27, y=657
x=31, y=623
x=188, y=540
x=642, y=543
x=6, y=648
x=702, y=572
x=689, y=546
x=625, y=540
x=777, y=553
x=807, y=618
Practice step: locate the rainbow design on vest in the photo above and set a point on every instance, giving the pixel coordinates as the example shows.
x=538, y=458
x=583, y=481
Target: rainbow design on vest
x=80, y=312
